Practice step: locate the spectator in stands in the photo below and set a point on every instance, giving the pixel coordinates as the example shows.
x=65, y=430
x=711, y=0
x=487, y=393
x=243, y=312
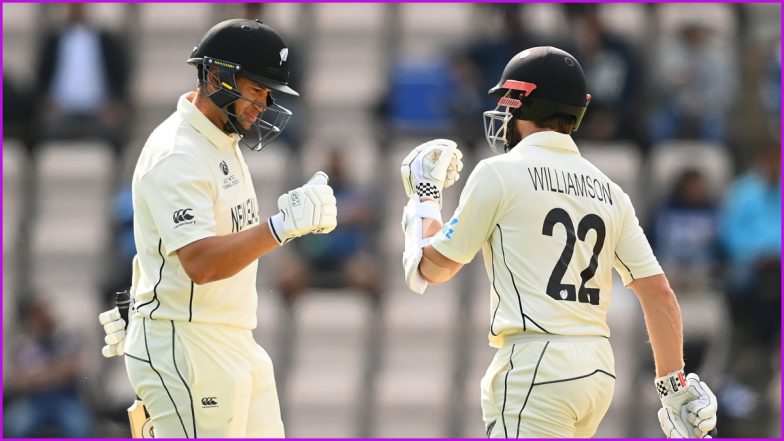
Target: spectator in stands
x=614, y=79
x=45, y=372
x=119, y=270
x=82, y=75
x=695, y=80
x=751, y=238
x=17, y=110
x=684, y=233
x=770, y=88
x=342, y=258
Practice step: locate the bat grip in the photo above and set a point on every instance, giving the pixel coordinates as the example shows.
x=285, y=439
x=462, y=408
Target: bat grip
x=122, y=299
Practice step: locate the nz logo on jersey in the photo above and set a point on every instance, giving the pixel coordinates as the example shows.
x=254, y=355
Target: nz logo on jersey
x=224, y=168
x=447, y=229
x=183, y=217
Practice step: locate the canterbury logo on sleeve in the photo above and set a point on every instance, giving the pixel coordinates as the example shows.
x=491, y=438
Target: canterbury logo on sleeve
x=209, y=402
x=183, y=215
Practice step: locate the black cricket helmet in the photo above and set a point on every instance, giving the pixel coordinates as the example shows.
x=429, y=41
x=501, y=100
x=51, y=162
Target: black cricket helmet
x=255, y=51
x=537, y=83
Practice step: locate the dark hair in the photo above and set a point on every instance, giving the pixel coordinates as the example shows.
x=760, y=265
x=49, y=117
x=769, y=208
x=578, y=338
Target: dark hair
x=561, y=123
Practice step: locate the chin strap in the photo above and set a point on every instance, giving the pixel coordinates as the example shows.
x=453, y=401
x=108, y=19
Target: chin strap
x=232, y=125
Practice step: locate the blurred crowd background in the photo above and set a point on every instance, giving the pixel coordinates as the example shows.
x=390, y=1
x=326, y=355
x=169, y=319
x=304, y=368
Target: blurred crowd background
x=685, y=116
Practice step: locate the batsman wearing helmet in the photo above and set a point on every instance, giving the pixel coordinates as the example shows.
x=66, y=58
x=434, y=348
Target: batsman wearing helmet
x=551, y=227
x=189, y=351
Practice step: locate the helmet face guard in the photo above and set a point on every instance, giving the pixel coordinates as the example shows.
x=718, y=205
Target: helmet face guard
x=270, y=122
x=497, y=121
x=257, y=53
x=268, y=125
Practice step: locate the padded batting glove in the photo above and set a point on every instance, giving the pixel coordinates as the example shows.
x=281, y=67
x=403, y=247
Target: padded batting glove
x=688, y=406
x=702, y=411
x=430, y=168
x=114, y=327
x=308, y=209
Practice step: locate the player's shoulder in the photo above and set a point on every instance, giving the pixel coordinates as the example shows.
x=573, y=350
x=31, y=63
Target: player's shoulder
x=488, y=168
x=170, y=142
x=169, y=161
x=175, y=130
x=506, y=164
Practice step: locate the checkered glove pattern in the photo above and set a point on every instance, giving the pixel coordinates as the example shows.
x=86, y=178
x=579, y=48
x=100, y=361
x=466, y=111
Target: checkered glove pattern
x=688, y=406
x=427, y=189
x=661, y=389
x=431, y=167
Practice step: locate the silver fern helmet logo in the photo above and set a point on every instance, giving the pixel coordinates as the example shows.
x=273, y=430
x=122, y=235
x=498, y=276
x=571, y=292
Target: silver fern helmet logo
x=284, y=55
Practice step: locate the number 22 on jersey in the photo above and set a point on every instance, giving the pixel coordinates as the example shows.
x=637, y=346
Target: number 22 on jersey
x=555, y=286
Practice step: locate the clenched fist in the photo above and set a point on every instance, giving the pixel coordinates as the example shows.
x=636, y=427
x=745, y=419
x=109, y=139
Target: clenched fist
x=308, y=209
x=114, y=328
x=688, y=406
x=431, y=167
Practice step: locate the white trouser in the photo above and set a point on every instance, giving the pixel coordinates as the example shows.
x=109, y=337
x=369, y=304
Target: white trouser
x=202, y=380
x=543, y=386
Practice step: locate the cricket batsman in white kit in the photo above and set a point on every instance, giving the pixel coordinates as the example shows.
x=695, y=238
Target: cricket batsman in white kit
x=551, y=227
x=189, y=350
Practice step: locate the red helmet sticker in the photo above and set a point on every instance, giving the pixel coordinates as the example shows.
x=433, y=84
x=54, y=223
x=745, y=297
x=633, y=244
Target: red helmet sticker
x=511, y=102
x=519, y=85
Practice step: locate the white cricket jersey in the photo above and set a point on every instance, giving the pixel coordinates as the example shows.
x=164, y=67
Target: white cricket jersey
x=551, y=227
x=191, y=182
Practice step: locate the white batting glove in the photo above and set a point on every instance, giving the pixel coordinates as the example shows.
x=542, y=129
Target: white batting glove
x=702, y=411
x=114, y=327
x=308, y=209
x=688, y=406
x=430, y=168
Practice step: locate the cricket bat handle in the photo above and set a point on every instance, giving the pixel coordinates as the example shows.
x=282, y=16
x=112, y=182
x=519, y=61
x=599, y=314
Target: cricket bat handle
x=141, y=426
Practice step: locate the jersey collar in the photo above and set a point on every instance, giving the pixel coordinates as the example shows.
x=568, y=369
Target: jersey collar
x=203, y=125
x=549, y=140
